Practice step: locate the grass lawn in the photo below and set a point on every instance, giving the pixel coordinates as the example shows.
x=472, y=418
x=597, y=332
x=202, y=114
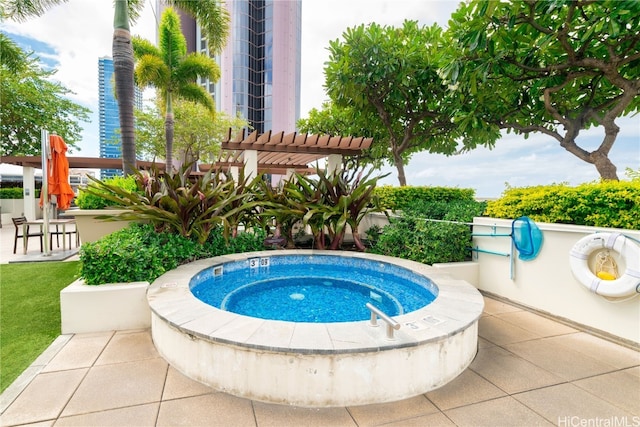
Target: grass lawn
x=29, y=312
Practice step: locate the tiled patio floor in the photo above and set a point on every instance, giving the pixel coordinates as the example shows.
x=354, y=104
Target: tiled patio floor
x=529, y=371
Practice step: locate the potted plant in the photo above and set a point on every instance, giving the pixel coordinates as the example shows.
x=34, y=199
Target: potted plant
x=94, y=204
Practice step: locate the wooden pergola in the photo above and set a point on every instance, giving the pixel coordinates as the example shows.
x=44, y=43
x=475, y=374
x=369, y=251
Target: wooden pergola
x=280, y=153
x=75, y=162
x=276, y=153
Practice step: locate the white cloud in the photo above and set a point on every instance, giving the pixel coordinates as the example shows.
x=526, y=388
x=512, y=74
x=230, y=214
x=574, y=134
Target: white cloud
x=326, y=20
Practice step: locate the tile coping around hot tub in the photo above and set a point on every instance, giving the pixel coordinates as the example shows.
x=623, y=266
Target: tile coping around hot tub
x=457, y=305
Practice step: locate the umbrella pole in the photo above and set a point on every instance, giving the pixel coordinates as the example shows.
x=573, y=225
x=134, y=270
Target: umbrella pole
x=45, y=192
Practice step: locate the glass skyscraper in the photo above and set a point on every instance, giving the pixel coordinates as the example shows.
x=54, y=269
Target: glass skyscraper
x=260, y=64
x=110, y=141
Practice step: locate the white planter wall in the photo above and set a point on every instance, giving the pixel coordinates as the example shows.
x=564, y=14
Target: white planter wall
x=547, y=284
x=108, y=307
x=90, y=227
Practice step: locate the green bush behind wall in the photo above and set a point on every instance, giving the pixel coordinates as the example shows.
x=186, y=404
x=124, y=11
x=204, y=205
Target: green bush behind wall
x=398, y=198
x=611, y=204
x=11, y=193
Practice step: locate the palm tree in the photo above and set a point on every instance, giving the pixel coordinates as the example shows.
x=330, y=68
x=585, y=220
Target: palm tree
x=125, y=92
x=173, y=72
x=211, y=15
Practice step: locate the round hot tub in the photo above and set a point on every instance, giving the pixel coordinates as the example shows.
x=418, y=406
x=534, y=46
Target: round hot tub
x=307, y=288
x=292, y=327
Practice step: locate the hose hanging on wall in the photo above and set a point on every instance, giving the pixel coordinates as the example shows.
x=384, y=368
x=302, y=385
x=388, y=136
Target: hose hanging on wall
x=526, y=237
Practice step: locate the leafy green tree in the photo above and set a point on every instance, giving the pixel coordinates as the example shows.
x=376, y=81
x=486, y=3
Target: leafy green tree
x=14, y=59
x=173, y=72
x=199, y=137
x=196, y=135
x=30, y=101
x=348, y=120
x=149, y=133
x=553, y=67
x=392, y=74
x=212, y=16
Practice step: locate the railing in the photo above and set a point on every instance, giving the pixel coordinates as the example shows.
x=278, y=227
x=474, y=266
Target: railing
x=391, y=324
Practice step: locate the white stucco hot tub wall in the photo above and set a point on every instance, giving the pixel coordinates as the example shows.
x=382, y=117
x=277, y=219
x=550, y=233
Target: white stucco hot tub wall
x=316, y=380
x=547, y=284
x=313, y=364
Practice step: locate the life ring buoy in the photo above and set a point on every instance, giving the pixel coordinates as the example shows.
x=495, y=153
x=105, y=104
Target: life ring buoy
x=627, y=284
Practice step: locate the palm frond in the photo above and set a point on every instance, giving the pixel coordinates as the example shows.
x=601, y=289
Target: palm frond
x=143, y=47
x=13, y=58
x=151, y=71
x=195, y=93
x=172, y=43
x=197, y=65
x=135, y=8
x=22, y=10
x=212, y=17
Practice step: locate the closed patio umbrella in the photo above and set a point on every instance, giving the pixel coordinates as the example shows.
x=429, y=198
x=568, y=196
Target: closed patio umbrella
x=55, y=180
x=58, y=173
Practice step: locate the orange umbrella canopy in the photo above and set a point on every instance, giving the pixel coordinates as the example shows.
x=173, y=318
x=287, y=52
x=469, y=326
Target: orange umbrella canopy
x=58, y=173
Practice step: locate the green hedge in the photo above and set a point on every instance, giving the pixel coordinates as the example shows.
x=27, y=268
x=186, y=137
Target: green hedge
x=398, y=198
x=11, y=193
x=16, y=193
x=86, y=200
x=413, y=236
x=612, y=204
x=139, y=253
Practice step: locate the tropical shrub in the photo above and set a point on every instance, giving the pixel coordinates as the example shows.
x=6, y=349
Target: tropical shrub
x=420, y=240
x=94, y=196
x=177, y=203
x=279, y=208
x=136, y=253
x=243, y=208
x=326, y=204
x=140, y=253
x=612, y=204
x=461, y=210
x=248, y=241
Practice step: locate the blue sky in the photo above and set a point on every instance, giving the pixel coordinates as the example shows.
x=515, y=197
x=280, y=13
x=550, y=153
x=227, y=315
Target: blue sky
x=73, y=36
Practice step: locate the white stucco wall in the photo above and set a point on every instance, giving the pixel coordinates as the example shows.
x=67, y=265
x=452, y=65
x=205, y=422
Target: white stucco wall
x=547, y=283
x=108, y=307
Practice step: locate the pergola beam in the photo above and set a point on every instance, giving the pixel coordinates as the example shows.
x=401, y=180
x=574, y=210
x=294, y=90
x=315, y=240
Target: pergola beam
x=302, y=149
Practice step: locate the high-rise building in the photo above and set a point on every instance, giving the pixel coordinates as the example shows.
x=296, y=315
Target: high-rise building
x=261, y=63
x=110, y=141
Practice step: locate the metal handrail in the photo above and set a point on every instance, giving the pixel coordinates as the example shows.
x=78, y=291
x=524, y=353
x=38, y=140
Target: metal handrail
x=391, y=324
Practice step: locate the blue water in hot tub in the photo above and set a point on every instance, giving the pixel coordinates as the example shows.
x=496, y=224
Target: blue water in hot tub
x=312, y=288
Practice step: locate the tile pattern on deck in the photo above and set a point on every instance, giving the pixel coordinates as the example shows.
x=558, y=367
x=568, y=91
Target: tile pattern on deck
x=529, y=371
